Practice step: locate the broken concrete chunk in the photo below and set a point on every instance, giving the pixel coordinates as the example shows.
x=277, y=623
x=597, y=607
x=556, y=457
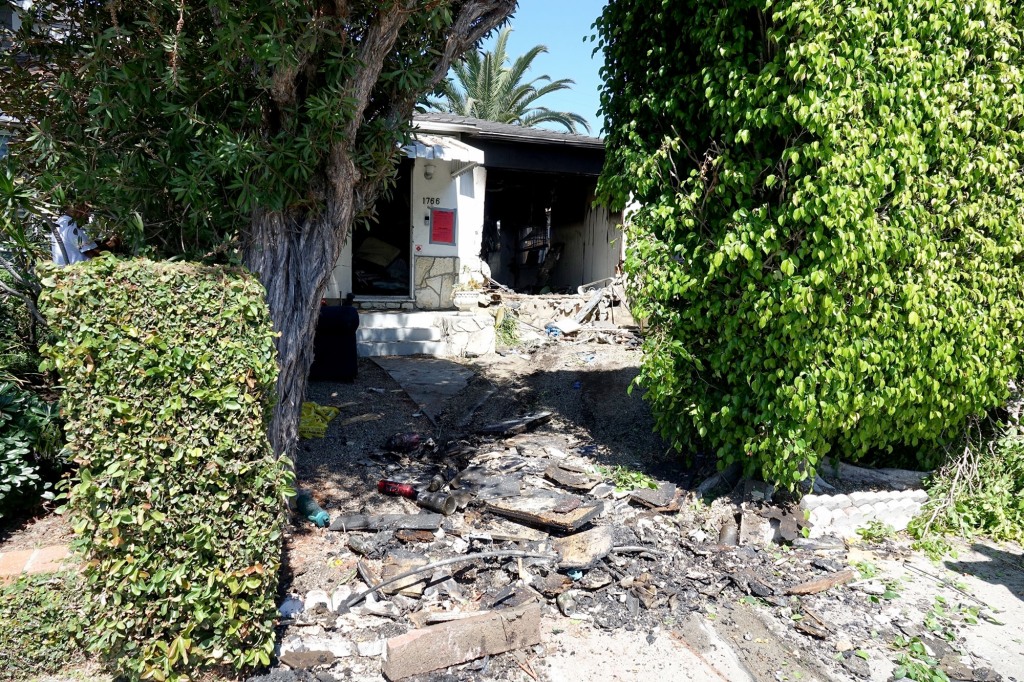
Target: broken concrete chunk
x=662, y=496
x=755, y=530
x=340, y=596
x=315, y=599
x=573, y=480
x=583, y=550
x=447, y=644
x=822, y=584
x=398, y=562
x=372, y=648
x=514, y=426
x=387, y=522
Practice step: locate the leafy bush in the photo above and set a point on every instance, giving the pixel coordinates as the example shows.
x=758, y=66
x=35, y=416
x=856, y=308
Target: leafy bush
x=980, y=490
x=41, y=619
x=828, y=244
x=23, y=240
x=168, y=373
x=28, y=442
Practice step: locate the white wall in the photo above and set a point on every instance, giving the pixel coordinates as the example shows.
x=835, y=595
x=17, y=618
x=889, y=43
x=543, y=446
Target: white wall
x=465, y=194
x=592, y=250
x=605, y=245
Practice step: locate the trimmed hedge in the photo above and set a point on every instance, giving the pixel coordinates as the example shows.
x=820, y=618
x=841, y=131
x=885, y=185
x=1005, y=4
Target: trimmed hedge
x=168, y=373
x=829, y=240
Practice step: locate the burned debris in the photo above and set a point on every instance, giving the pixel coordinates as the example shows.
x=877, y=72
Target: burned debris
x=466, y=545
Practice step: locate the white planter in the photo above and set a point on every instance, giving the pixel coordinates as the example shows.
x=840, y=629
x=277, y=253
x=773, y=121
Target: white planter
x=466, y=299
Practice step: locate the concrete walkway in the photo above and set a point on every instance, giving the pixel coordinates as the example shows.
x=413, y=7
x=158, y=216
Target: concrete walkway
x=430, y=382
x=42, y=560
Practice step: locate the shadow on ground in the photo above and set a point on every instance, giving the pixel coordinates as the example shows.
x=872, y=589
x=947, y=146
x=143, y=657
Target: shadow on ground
x=1002, y=567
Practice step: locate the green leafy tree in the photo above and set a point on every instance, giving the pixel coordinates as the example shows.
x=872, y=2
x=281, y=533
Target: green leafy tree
x=828, y=244
x=265, y=128
x=485, y=86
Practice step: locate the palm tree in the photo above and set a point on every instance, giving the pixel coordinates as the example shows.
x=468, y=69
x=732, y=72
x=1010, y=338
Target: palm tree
x=484, y=87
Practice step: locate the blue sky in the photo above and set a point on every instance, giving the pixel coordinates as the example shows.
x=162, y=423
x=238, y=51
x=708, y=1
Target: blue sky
x=561, y=25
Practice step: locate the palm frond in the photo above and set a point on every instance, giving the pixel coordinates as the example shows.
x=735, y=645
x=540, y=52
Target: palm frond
x=484, y=85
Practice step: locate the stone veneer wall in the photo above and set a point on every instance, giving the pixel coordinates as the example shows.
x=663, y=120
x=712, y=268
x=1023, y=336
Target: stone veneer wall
x=435, y=280
x=467, y=334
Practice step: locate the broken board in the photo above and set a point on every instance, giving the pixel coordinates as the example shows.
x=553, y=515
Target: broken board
x=387, y=522
x=514, y=426
x=538, y=509
x=573, y=480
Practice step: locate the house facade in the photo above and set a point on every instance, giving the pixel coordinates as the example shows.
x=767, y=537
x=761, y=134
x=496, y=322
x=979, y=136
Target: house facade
x=475, y=198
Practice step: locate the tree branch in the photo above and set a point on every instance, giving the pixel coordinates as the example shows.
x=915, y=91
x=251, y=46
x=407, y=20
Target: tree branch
x=27, y=299
x=475, y=19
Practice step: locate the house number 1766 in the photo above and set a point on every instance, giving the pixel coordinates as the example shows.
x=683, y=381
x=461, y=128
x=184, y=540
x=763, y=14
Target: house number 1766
x=432, y=201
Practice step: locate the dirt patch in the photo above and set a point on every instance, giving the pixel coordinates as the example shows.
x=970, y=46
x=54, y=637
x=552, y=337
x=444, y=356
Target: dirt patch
x=34, y=532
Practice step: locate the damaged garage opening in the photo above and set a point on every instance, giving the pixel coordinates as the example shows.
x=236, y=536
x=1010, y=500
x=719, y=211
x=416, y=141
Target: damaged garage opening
x=542, y=234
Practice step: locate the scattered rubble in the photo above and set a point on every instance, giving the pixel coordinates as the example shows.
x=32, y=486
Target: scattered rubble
x=540, y=533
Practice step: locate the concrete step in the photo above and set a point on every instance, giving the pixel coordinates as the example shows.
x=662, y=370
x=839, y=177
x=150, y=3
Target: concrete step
x=372, y=350
x=385, y=334
x=392, y=320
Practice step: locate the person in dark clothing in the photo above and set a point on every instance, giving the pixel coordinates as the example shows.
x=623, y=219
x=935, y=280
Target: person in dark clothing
x=334, y=346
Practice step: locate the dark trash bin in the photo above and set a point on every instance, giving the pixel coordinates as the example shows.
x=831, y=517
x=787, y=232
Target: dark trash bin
x=334, y=346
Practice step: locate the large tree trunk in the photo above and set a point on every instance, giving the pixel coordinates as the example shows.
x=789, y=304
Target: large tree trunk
x=293, y=255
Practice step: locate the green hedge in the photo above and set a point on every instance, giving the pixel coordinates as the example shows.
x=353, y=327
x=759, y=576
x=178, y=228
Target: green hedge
x=829, y=241
x=168, y=375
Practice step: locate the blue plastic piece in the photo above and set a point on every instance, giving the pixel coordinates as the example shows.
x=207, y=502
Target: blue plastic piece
x=574, y=574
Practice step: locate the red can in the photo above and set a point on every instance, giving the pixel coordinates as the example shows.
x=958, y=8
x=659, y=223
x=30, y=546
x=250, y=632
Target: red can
x=396, y=488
